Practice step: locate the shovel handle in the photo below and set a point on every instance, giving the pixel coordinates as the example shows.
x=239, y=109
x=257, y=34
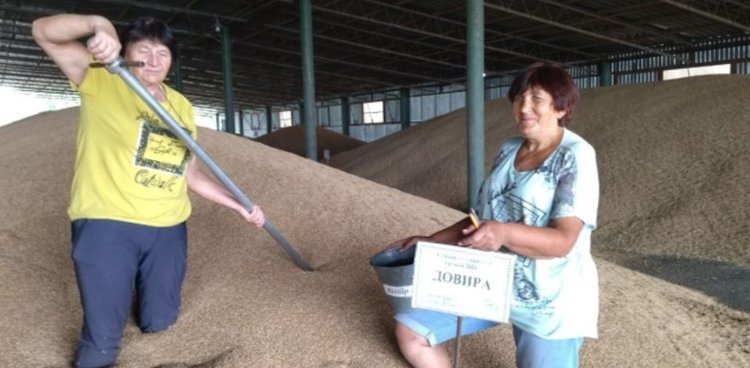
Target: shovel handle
x=119, y=67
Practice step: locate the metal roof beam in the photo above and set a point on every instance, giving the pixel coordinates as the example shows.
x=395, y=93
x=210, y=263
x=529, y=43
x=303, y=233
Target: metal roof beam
x=458, y=27
x=200, y=89
x=340, y=61
x=49, y=11
x=333, y=24
x=425, y=33
x=741, y=4
x=436, y=48
x=276, y=64
x=581, y=31
x=173, y=9
x=187, y=6
x=28, y=9
x=631, y=8
x=486, y=31
x=254, y=89
x=708, y=15
x=592, y=15
x=377, y=49
x=296, y=67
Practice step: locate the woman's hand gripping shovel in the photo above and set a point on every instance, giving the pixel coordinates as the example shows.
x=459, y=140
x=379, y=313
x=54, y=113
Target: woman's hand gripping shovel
x=119, y=67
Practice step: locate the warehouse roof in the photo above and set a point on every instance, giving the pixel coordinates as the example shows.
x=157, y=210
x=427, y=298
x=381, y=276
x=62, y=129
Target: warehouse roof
x=371, y=45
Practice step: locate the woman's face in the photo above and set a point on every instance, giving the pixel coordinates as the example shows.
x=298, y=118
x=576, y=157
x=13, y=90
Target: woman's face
x=156, y=58
x=535, y=113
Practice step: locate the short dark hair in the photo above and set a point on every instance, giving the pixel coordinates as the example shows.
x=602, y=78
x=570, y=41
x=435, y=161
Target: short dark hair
x=554, y=80
x=149, y=28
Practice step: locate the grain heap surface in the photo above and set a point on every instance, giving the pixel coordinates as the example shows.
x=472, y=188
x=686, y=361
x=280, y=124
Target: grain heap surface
x=246, y=305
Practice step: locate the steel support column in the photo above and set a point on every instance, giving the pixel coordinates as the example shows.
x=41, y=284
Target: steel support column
x=269, y=119
x=474, y=97
x=308, y=80
x=226, y=57
x=405, y=108
x=346, y=115
x=241, y=122
x=177, y=69
x=605, y=74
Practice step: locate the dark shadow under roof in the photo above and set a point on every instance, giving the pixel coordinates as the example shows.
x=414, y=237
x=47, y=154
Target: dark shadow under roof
x=369, y=45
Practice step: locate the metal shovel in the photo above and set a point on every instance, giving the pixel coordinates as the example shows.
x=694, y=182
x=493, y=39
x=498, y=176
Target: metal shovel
x=119, y=67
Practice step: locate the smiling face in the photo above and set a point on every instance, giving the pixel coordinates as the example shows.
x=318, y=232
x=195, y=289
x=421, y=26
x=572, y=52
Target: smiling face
x=535, y=113
x=157, y=60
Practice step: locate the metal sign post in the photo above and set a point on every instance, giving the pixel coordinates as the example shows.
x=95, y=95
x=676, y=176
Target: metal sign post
x=457, y=350
x=119, y=67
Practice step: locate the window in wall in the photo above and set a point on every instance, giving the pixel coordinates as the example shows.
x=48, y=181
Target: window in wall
x=285, y=119
x=372, y=112
x=700, y=70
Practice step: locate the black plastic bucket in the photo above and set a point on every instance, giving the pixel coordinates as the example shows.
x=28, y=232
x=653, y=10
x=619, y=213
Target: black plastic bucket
x=395, y=270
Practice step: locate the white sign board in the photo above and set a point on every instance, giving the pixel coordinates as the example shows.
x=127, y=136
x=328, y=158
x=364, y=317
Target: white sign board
x=463, y=281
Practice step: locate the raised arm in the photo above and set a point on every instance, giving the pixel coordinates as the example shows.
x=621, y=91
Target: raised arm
x=59, y=36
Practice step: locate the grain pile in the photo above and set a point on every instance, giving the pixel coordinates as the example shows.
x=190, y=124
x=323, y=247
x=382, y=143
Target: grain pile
x=673, y=164
x=292, y=139
x=246, y=305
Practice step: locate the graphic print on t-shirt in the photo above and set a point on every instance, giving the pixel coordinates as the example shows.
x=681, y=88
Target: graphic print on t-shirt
x=159, y=150
x=509, y=207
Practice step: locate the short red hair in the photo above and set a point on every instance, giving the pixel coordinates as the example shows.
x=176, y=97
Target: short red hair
x=555, y=81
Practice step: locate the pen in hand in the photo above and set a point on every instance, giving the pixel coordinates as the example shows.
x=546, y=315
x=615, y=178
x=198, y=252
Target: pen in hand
x=473, y=218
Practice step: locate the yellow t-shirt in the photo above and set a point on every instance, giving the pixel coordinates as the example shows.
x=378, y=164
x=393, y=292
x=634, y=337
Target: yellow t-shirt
x=129, y=165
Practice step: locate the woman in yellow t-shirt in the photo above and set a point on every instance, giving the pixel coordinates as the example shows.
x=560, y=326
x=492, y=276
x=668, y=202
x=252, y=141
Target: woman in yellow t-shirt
x=129, y=199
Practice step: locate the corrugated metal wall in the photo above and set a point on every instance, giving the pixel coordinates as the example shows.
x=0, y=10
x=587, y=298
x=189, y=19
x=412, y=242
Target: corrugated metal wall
x=430, y=101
